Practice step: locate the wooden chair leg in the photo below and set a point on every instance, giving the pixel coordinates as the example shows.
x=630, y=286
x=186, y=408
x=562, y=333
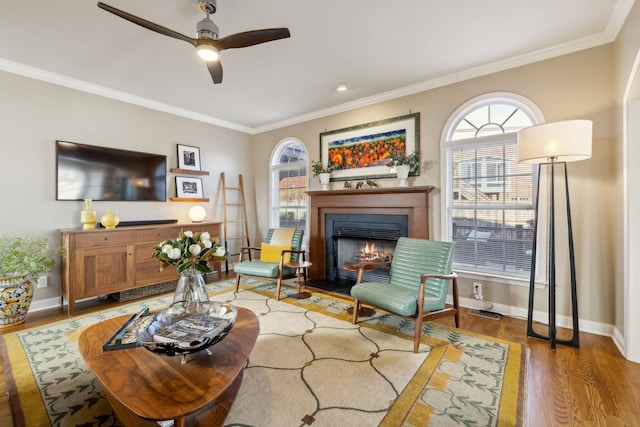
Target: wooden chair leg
x=356, y=309
x=237, y=283
x=417, y=334
x=456, y=303
x=278, y=286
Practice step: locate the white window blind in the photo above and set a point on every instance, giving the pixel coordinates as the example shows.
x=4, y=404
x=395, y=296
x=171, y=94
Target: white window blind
x=490, y=197
x=492, y=209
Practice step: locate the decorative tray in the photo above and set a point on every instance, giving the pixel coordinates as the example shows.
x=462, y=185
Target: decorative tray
x=188, y=327
x=183, y=328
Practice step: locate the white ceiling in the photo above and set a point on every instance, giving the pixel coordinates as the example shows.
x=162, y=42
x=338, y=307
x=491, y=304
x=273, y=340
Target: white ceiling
x=381, y=49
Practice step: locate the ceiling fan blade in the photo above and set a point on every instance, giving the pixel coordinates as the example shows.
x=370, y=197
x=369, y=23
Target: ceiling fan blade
x=147, y=24
x=251, y=38
x=215, y=69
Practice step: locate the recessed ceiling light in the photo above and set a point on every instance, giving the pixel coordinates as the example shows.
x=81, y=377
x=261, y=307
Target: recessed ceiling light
x=341, y=87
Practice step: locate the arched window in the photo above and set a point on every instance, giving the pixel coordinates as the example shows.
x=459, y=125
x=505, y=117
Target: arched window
x=289, y=185
x=489, y=197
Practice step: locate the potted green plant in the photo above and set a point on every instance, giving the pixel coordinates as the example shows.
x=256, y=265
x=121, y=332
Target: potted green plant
x=399, y=158
x=403, y=164
x=22, y=259
x=318, y=168
x=323, y=173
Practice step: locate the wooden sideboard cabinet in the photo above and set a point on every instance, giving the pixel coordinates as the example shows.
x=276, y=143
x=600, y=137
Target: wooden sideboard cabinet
x=105, y=261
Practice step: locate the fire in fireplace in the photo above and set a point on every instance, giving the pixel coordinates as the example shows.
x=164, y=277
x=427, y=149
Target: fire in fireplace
x=370, y=253
x=364, y=237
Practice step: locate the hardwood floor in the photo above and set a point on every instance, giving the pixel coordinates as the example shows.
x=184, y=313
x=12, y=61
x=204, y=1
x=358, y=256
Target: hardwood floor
x=590, y=386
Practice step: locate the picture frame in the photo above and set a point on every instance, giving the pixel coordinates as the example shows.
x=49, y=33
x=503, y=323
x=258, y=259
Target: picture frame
x=188, y=157
x=189, y=188
x=346, y=147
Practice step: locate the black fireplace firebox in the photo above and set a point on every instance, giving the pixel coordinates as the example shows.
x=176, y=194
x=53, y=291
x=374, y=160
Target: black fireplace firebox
x=352, y=238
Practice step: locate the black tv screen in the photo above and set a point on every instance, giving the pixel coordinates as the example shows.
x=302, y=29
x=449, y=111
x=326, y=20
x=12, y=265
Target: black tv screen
x=101, y=173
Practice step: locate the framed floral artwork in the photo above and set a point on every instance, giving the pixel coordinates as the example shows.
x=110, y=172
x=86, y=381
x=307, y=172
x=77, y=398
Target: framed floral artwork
x=363, y=151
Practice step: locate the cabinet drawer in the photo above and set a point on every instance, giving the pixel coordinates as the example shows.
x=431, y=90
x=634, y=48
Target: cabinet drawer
x=148, y=273
x=107, y=238
x=157, y=235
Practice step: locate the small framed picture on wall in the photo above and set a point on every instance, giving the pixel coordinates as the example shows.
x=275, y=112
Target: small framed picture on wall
x=189, y=188
x=188, y=157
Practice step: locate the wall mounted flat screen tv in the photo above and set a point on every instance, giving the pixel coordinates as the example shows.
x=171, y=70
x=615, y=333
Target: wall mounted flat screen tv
x=102, y=173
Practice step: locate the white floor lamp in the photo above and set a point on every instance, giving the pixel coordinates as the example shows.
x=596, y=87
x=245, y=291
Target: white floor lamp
x=554, y=144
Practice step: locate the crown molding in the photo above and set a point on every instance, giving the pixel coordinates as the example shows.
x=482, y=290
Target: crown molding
x=483, y=70
x=58, y=79
x=609, y=34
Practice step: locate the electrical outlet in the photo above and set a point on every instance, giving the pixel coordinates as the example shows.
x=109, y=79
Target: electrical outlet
x=477, y=290
x=43, y=281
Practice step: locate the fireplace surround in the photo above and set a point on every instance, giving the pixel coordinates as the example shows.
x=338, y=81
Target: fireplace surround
x=411, y=203
x=352, y=238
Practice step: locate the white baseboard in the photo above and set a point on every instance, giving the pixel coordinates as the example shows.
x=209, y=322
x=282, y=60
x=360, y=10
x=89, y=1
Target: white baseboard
x=543, y=317
x=46, y=304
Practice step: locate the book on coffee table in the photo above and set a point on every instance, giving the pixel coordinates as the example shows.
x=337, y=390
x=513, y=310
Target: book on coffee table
x=195, y=328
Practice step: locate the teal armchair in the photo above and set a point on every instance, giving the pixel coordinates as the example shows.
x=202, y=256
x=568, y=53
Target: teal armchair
x=419, y=278
x=274, y=255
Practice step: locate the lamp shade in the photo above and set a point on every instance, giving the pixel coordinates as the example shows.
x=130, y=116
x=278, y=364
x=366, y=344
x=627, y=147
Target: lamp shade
x=566, y=141
x=197, y=213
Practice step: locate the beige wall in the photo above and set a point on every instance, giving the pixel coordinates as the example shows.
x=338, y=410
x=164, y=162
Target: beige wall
x=627, y=47
x=576, y=86
x=34, y=114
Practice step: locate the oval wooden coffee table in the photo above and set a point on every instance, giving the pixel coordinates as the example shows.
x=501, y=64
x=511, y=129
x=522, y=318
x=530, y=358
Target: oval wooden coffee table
x=143, y=387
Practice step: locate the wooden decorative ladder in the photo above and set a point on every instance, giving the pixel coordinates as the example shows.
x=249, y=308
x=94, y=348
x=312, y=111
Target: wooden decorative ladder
x=236, y=228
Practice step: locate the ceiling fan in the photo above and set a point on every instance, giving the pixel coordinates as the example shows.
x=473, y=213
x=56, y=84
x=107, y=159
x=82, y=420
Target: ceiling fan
x=207, y=43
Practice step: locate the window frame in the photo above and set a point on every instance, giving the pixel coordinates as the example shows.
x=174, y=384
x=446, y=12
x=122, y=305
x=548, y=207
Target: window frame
x=274, y=191
x=447, y=146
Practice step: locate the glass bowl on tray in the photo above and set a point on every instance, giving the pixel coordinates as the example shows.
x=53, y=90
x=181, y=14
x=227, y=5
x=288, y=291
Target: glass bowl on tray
x=188, y=327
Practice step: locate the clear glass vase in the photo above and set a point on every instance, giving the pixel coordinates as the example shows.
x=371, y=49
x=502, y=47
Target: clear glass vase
x=191, y=287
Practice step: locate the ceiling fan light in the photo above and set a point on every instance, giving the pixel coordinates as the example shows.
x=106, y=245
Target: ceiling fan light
x=208, y=53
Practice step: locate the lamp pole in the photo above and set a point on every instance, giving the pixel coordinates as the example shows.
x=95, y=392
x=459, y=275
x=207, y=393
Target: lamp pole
x=575, y=339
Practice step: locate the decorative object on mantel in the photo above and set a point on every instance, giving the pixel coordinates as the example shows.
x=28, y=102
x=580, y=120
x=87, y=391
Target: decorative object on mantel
x=22, y=259
x=188, y=157
x=191, y=254
x=363, y=151
x=359, y=184
x=371, y=183
x=88, y=216
x=551, y=145
x=323, y=173
x=347, y=185
x=403, y=164
x=110, y=219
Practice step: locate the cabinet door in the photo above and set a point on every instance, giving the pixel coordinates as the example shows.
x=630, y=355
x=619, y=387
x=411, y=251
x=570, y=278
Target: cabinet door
x=103, y=270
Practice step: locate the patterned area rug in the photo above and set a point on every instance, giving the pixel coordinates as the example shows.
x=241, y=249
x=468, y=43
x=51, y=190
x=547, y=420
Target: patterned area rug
x=310, y=366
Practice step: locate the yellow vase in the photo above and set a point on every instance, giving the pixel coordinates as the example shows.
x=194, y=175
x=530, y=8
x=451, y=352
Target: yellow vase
x=88, y=216
x=110, y=219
